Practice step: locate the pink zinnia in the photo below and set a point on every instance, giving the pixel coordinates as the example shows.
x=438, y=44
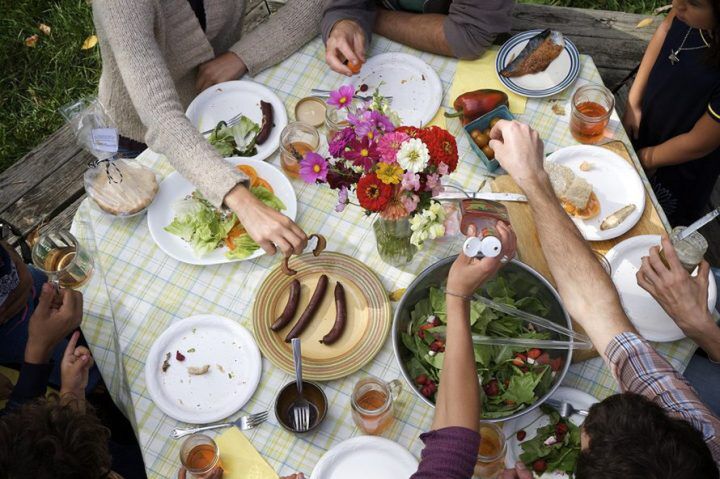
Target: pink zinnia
x=433, y=184
x=410, y=202
x=443, y=169
x=389, y=144
x=410, y=181
x=342, y=97
x=313, y=168
x=362, y=153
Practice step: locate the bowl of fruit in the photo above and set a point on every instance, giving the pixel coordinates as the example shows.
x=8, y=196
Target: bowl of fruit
x=514, y=379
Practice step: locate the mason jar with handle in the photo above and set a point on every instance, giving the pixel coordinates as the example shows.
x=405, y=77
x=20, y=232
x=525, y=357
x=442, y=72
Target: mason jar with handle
x=372, y=403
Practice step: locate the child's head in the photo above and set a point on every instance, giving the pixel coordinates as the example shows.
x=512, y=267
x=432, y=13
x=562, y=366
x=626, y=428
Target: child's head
x=702, y=14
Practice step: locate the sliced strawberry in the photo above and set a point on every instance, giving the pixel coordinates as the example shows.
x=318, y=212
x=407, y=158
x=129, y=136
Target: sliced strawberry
x=539, y=466
x=544, y=358
x=492, y=388
x=421, y=379
x=561, y=428
x=179, y=356
x=534, y=353
x=556, y=364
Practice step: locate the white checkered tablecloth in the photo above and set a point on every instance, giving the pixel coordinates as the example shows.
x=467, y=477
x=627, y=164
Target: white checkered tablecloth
x=137, y=291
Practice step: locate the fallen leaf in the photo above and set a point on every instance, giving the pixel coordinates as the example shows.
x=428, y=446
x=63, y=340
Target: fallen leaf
x=44, y=28
x=31, y=41
x=397, y=294
x=644, y=23
x=89, y=42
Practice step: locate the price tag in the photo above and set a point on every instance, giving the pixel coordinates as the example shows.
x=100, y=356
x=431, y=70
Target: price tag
x=105, y=139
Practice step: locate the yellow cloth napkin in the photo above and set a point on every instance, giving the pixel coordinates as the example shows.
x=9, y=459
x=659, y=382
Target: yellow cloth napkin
x=476, y=74
x=240, y=460
x=439, y=119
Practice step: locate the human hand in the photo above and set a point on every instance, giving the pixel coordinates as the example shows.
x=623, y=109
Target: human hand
x=631, y=119
x=468, y=274
x=519, y=150
x=346, y=41
x=297, y=475
x=74, y=368
x=646, y=157
x=225, y=67
x=519, y=472
x=216, y=473
x=6, y=387
x=683, y=297
x=268, y=227
x=51, y=321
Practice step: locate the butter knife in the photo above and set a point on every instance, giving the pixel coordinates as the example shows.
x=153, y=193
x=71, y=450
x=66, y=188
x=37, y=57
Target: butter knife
x=479, y=195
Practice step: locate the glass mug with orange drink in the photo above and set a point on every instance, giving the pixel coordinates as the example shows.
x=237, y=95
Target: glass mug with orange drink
x=60, y=256
x=591, y=106
x=372, y=404
x=296, y=140
x=199, y=455
x=491, y=455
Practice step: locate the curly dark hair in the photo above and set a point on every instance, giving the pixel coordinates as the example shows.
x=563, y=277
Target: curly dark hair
x=52, y=439
x=631, y=437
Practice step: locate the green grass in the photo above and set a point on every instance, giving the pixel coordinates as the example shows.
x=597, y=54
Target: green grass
x=35, y=82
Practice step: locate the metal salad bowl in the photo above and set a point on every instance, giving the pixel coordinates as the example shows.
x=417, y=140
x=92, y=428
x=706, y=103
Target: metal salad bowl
x=436, y=276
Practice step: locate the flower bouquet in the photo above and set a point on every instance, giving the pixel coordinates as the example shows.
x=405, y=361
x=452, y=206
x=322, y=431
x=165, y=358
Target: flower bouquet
x=392, y=170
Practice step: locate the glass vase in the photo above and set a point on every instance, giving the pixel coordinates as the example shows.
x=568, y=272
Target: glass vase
x=392, y=238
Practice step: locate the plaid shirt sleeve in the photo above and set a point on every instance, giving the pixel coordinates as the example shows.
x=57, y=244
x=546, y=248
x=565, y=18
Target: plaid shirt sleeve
x=641, y=370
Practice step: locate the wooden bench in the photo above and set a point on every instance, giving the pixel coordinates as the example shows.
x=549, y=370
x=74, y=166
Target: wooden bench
x=45, y=188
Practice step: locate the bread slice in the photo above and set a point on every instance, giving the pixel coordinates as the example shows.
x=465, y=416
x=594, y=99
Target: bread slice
x=575, y=194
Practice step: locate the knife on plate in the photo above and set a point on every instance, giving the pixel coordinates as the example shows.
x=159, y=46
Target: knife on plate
x=478, y=195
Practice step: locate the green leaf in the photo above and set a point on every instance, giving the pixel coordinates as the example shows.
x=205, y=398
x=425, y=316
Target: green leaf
x=244, y=247
x=437, y=301
x=522, y=388
x=267, y=197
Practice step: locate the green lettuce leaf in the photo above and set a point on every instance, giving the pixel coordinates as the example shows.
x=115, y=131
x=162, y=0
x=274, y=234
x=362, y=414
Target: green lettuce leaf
x=244, y=134
x=267, y=197
x=201, y=225
x=244, y=247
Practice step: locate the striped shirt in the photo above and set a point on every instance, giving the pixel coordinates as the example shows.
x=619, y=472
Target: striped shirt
x=641, y=370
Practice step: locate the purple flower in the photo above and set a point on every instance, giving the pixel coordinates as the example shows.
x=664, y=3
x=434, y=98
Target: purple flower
x=340, y=141
x=313, y=168
x=433, y=184
x=410, y=181
x=342, y=97
x=381, y=122
x=443, y=169
x=410, y=202
x=342, y=199
x=362, y=153
x=360, y=121
x=389, y=144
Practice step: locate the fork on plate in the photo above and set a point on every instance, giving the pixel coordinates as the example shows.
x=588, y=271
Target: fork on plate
x=326, y=93
x=231, y=122
x=243, y=423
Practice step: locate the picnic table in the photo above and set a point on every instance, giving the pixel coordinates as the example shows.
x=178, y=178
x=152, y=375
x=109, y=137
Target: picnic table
x=137, y=291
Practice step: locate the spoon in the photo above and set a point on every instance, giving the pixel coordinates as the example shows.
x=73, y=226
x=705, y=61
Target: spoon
x=698, y=224
x=301, y=406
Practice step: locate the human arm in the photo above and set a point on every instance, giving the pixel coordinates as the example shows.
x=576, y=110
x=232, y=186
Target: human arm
x=703, y=139
x=346, y=29
x=285, y=31
x=74, y=370
x=586, y=290
x=633, y=112
x=683, y=297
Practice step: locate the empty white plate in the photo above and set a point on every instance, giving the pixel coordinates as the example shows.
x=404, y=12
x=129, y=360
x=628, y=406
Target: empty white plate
x=234, y=370
x=364, y=457
x=651, y=321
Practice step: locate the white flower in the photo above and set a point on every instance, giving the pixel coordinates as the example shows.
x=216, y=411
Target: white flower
x=413, y=155
x=427, y=224
x=550, y=441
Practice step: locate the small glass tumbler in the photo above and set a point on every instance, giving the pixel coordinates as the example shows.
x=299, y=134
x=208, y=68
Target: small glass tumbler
x=592, y=106
x=336, y=118
x=199, y=454
x=296, y=140
x=62, y=258
x=690, y=251
x=491, y=455
x=372, y=404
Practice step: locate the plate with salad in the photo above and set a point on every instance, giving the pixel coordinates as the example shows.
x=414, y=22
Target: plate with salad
x=546, y=443
x=188, y=228
x=512, y=378
x=256, y=134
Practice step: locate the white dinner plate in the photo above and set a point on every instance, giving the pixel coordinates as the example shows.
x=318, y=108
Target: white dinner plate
x=615, y=183
x=536, y=419
x=559, y=75
x=364, y=457
x=413, y=84
x=225, y=100
x=234, y=374
x=651, y=321
x=175, y=187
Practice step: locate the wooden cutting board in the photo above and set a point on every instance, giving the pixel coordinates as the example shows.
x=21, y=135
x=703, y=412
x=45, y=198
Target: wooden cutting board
x=529, y=250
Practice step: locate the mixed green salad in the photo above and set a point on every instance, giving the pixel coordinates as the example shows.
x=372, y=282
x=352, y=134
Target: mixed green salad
x=555, y=447
x=511, y=377
x=207, y=228
x=236, y=140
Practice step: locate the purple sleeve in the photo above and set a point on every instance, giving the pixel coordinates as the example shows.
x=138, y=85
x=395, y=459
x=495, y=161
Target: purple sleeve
x=472, y=25
x=449, y=453
x=361, y=11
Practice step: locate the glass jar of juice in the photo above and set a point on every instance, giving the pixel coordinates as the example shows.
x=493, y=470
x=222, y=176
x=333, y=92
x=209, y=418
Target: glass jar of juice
x=296, y=140
x=484, y=214
x=372, y=404
x=491, y=455
x=591, y=106
x=199, y=455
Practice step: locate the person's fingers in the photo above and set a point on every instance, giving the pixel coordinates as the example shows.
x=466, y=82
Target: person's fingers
x=359, y=45
x=522, y=471
x=649, y=272
x=702, y=277
x=182, y=473
x=296, y=243
x=656, y=263
x=670, y=255
x=496, y=133
x=81, y=351
x=298, y=237
x=347, y=50
x=216, y=473
x=268, y=247
x=46, y=298
x=644, y=283
x=332, y=58
x=71, y=345
x=508, y=474
x=472, y=230
x=507, y=239
x=285, y=246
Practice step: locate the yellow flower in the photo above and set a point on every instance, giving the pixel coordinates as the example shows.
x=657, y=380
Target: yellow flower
x=390, y=174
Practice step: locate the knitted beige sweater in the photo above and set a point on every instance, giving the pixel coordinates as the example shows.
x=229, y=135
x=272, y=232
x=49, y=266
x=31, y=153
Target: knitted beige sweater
x=151, y=50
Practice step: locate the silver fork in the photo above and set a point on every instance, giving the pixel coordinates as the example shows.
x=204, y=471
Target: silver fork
x=231, y=122
x=301, y=406
x=565, y=409
x=326, y=93
x=243, y=423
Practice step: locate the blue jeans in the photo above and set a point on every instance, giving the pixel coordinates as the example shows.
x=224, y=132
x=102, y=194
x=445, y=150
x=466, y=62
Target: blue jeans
x=14, y=336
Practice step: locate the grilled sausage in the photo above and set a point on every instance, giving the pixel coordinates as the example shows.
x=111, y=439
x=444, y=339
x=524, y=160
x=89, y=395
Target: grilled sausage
x=340, y=316
x=289, y=312
x=267, y=122
x=310, y=310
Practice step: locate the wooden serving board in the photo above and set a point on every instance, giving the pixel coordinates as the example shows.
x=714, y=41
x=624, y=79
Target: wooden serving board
x=529, y=250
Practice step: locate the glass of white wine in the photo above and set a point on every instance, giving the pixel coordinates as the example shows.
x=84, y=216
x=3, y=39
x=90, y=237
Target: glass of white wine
x=61, y=257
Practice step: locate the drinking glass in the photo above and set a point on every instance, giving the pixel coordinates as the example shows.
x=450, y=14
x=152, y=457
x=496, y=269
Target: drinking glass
x=592, y=106
x=336, y=118
x=372, y=404
x=296, y=140
x=491, y=455
x=690, y=251
x=199, y=454
x=63, y=259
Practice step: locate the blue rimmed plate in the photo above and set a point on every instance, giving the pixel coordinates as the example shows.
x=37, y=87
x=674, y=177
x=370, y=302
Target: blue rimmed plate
x=559, y=75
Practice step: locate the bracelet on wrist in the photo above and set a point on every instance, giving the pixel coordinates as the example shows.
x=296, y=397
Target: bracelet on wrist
x=462, y=296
